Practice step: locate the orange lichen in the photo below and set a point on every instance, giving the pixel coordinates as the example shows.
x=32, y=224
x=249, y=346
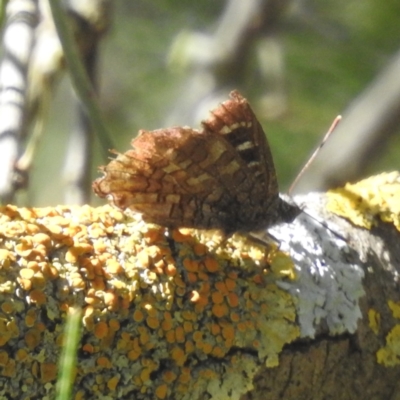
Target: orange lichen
x=169, y=376
x=178, y=355
x=113, y=267
x=194, y=296
x=228, y=332
x=206, y=348
x=235, y=317
x=152, y=322
x=211, y=265
x=26, y=273
x=185, y=375
x=37, y=297
x=21, y=355
x=208, y=373
x=114, y=325
x=170, y=336
x=170, y=269
x=6, y=258
x=113, y=382
x=25, y=284
x=191, y=265
x=192, y=277
x=48, y=372
x=104, y=362
x=9, y=369
x=200, y=249
x=197, y=336
x=181, y=235
x=258, y=279
x=138, y=316
x=230, y=284
x=241, y=326
x=189, y=347
x=88, y=348
x=77, y=282
x=101, y=329
x=218, y=352
x=98, y=283
x=189, y=315
x=221, y=287
x=136, y=294
x=25, y=248
x=166, y=324
x=201, y=303
x=233, y=299
x=143, y=259
x=13, y=328
x=3, y=358
x=30, y=317
x=111, y=300
x=7, y=307
x=217, y=298
x=32, y=338
x=179, y=334
x=153, y=235
x=145, y=374
x=203, y=276
x=133, y=355
x=179, y=282
x=220, y=310
x=187, y=326
x=144, y=335
x=100, y=247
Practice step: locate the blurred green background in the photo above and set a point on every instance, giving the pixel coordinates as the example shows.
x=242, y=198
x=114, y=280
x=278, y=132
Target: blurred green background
x=332, y=50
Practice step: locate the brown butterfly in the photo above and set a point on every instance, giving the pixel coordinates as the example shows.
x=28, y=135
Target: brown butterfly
x=221, y=177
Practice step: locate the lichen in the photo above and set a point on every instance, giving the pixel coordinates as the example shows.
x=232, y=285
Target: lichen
x=164, y=312
x=389, y=355
x=368, y=201
x=327, y=286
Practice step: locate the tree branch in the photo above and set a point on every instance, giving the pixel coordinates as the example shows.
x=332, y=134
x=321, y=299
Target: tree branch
x=183, y=314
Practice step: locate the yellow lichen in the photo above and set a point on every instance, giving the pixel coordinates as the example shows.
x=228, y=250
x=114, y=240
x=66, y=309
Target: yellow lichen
x=390, y=354
x=369, y=200
x=395, y=308
x=374, y=319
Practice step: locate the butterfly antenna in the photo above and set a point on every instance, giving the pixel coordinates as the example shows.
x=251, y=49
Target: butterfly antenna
x=308, y=163
x=314, y=154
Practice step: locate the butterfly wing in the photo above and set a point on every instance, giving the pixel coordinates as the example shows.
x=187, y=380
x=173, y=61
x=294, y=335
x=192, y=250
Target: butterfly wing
x=222, y=177
x=236, y=122
x=175, y=177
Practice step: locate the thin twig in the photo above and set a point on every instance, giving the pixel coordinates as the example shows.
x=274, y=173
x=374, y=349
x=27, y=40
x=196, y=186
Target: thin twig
x=18, y=39
x=79, y=78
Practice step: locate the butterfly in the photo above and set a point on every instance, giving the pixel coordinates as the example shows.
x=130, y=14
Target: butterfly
x=220, y=177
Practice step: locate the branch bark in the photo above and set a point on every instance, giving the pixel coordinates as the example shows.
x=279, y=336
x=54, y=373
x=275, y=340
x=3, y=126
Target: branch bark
x=186, y=314
x=18, y=38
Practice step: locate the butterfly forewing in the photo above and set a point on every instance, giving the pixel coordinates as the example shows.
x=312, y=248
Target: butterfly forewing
x=236, y=122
